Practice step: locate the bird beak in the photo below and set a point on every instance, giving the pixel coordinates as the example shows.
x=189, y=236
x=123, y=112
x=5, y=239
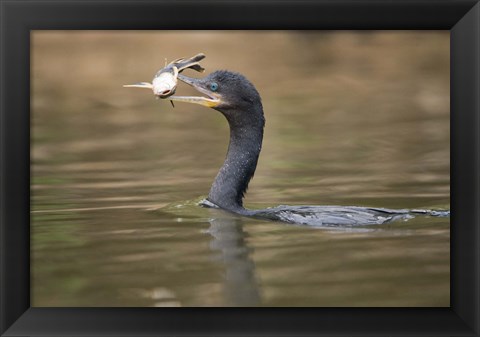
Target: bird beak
x=212, y=101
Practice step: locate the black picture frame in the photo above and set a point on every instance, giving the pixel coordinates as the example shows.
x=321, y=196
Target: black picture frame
x=19, y=17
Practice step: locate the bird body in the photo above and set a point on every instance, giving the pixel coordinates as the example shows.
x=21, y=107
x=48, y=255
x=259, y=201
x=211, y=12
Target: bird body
x=238, y=100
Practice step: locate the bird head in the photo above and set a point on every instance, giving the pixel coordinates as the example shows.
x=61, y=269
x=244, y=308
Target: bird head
x=228, y=92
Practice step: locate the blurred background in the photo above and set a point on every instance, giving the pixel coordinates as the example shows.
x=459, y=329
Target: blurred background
x=352, y=118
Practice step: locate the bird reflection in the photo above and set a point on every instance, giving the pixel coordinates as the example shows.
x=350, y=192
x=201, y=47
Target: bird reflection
x=229, y=243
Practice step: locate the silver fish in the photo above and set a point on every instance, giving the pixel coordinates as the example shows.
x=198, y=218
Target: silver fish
x=165, y=81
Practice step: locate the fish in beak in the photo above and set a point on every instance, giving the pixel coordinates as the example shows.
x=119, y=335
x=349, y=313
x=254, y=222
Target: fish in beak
x=164, y=83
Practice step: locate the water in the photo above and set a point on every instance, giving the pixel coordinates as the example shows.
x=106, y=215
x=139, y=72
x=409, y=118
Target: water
x=352, y=119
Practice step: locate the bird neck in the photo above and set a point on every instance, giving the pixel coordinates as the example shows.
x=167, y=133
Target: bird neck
x=231, y=182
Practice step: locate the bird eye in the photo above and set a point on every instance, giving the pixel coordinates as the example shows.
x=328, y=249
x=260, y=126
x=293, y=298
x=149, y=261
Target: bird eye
x=213, y=86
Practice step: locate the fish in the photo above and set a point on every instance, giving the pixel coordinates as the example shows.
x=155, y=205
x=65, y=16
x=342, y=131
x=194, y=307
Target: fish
x=165, y=81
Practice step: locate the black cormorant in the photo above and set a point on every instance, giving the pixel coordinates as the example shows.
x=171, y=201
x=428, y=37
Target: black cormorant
x=238, y=100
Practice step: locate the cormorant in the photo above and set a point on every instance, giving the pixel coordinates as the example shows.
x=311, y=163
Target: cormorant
x=237, y=99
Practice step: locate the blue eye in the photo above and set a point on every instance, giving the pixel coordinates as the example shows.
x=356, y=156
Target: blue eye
x=213, y=86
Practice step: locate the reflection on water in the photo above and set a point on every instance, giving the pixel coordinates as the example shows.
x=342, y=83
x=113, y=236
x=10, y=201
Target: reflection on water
x=352, y=119
x=229, y=238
